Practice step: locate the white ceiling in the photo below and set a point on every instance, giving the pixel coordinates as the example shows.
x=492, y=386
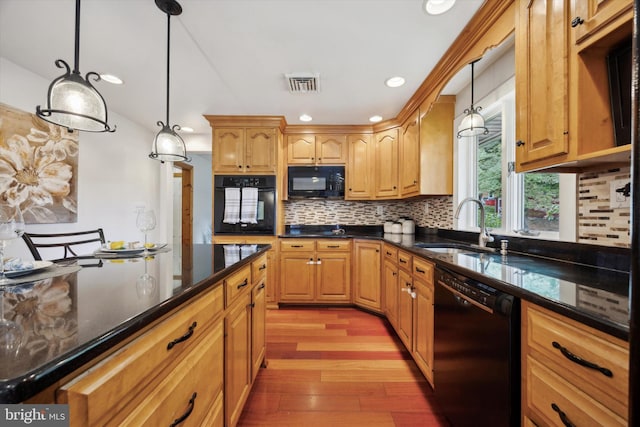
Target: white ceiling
x=230, y=56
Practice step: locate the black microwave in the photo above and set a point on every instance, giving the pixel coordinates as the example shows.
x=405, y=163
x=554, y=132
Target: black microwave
x=325, y=182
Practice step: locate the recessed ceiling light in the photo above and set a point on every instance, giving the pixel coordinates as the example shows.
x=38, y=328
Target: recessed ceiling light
x=186, y=129
x=110, y=78
x=395, y=81
x=438, y=7
x=375, y=119
x=306, y=118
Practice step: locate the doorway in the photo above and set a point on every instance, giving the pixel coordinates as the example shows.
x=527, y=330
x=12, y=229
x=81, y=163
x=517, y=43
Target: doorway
x=182, y=204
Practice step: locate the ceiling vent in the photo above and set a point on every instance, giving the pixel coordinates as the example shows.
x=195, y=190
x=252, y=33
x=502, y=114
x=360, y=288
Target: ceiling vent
x=303, y=82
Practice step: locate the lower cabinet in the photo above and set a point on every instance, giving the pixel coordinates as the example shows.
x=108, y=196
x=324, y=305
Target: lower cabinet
x=571, y=374
x=423, y=317
x=237, y=347
x=391, y=286
x=315, y=270
x=258, y=323
x=405, y=309
x=366, y=275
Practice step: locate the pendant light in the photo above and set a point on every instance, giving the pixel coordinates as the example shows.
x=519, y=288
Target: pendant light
x=473, y=122
x=168, y=146
x=72, y=101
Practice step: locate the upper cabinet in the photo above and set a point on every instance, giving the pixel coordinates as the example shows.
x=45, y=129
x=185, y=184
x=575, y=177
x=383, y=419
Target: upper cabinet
x=563, y=73
x=409, y=157
x=436, y=146
x=386, y=164
x=245, y=145
x=309, y=149
x=359, y=170
x=542, y=44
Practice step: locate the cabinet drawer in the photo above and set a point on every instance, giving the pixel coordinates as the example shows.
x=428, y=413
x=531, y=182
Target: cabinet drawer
x=390, y=252
x=236, y=283
x=405, y=260
x=189, y=390
x=549, y=394
x=289, y=245
x=333, y=245
x=560, y=341
x=259, y=268
x=104, y=390
x=423, y=270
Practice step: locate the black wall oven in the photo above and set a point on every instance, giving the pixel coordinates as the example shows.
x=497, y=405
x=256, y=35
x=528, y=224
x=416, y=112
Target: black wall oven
x=244, y=204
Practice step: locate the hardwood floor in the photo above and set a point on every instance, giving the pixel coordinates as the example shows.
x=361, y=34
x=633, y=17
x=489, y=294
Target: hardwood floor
x=337, y=367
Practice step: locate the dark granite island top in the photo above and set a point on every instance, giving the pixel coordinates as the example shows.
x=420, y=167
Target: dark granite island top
x=72, y=319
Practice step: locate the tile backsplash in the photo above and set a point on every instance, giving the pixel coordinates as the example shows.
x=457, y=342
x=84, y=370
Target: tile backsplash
x=601, y=219
x=432, y=212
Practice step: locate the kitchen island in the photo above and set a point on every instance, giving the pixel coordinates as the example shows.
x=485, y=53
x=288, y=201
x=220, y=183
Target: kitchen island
x=73, y=320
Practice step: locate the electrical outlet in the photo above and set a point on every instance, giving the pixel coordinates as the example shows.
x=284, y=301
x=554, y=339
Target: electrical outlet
x=616, y=197
x=379, y=210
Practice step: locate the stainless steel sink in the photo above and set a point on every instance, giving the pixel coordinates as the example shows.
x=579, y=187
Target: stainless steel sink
x=453, y=248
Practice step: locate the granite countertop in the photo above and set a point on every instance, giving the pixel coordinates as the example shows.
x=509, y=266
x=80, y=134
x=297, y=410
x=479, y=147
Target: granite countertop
x=580, y=285
x=70, y=319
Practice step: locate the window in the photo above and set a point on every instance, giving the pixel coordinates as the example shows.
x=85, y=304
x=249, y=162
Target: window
x=523, y=204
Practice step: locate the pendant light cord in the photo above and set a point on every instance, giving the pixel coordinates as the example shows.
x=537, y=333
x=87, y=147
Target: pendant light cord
x=168, y=61
x=472, y=84
x=76, y=59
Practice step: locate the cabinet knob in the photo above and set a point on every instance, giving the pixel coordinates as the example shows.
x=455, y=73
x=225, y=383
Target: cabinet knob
x=248, y=166
x=576, y=21
x=519, y=143
x=239, y=166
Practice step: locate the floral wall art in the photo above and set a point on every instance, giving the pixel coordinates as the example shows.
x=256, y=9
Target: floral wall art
x=38, y=167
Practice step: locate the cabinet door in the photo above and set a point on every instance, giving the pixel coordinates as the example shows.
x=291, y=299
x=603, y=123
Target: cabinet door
x=331, y=149
x=297, y=276
x=333, y=276
x=237, y=359
x=436, y=146
x=405, y=309
x=359, y=170
x=258, y=311
x=301, y=149
x=423, y=328
x=271, y=292
x=595, y=14
x=260, y=150
x=391, y=290
x=409, y=172
x=367, y=291
x=386, y=164
x=542, y=81
x=228, y=150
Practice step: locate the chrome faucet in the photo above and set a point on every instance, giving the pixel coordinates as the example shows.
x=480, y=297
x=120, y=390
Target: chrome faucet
x=484, y=236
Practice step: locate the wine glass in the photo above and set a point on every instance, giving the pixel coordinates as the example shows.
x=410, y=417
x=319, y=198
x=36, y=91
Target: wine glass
x=146, y=221
x=11, y=228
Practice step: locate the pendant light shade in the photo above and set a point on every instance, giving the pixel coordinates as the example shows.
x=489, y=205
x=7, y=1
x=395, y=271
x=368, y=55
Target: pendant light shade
x=72, y=101
x=473, y=123
x=168, y=146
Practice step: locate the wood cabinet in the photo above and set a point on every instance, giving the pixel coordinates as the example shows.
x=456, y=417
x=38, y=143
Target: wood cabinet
x=542, y=81
x=315, y=271
x=423, y=316
x=244, y=150
x=366, y=275
x=237, y=347
x=564, y=115
x=386, y=164
x=258, y=314
x=436, y=146
x=409, y=157
x=557, y=385
x=390, y=283
x=405, y=309
x=359, y=171
x=175, y=366
x=316, y=149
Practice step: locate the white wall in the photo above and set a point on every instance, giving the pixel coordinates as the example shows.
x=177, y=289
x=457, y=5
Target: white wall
x=202, y=204
x=114, y=173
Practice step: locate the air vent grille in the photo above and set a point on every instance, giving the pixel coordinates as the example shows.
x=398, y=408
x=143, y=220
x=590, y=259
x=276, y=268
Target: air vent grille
x=303, y=82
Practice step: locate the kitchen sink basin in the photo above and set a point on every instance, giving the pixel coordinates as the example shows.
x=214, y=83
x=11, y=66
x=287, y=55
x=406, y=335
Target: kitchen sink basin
x=453, y=248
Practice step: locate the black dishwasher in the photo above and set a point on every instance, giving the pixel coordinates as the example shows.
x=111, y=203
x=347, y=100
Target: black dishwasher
x=476, y=352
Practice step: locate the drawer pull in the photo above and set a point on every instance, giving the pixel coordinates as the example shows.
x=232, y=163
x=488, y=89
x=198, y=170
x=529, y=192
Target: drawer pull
x=297, y=246
x=333, y=246
x=262, y=267
x=575, y=359
x=184, y=337
x=402, y=261
x=243, y=284
x=388, y=253
x=419, y=270
x=192, y=403
x=563, y=416
x=261, y=286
